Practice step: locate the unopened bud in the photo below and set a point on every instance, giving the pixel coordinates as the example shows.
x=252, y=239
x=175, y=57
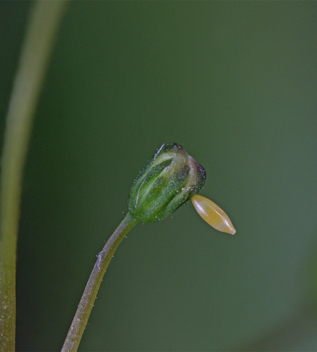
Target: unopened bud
x=170, y=179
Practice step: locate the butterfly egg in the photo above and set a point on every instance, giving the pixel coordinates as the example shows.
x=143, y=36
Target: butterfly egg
x=213, y=214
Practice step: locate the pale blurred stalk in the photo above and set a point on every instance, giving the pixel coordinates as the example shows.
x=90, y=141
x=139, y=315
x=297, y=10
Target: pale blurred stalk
x=41, y=31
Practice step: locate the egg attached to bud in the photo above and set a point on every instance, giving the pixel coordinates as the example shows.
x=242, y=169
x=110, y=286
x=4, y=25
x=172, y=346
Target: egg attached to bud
x=213, y=214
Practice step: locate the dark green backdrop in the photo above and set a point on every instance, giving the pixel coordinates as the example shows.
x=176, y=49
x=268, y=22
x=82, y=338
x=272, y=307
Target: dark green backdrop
x=235, y=84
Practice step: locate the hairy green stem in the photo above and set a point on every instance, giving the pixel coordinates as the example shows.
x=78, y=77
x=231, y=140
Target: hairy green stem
x=36, y=51
x=86, y=303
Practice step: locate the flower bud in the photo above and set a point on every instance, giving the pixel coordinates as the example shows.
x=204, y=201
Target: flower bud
x=170, y=179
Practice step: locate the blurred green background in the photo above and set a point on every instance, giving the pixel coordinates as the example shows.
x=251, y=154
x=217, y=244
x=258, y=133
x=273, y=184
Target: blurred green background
x=235, y=83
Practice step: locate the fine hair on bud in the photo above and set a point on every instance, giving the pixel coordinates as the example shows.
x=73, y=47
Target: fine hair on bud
x=170, y=179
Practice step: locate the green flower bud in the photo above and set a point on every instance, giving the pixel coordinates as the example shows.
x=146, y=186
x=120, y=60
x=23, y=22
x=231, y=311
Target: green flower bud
x=170, y=179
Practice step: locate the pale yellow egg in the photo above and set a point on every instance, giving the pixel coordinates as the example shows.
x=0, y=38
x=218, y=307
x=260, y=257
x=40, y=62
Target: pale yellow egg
x=213, y=214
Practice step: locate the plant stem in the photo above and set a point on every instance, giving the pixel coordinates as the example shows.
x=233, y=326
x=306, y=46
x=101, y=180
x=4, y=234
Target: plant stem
x=86, y=303
x=36, y=51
